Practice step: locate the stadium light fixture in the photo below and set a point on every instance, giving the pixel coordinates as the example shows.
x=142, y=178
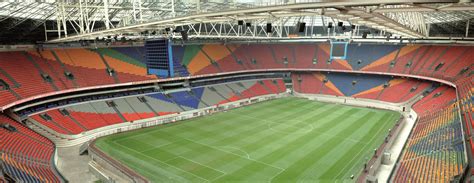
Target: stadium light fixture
x=364, y=35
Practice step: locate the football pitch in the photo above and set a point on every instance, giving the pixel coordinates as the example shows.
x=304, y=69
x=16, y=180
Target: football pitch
x=282, y=140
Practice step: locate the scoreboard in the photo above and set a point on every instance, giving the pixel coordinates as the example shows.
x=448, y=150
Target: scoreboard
x=159, y=57
x=338, y=49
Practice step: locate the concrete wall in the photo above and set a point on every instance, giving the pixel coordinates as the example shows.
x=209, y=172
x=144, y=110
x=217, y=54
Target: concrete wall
x=355, y=101
x=109, y=170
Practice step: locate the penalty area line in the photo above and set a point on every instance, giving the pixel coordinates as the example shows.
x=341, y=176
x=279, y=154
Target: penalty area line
x=172, y=166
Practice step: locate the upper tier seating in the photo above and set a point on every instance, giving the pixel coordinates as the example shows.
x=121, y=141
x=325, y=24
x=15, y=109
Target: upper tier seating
x=78, y=118
x=26, y=155
x=445, y=62
x=22, y=76
x=31, y=73
x=433, y=147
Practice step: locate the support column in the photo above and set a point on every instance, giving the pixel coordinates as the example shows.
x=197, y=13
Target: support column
x=172, y=8
x=64, y=20
x=198, y=5
x=106, y=14
x=467, y=27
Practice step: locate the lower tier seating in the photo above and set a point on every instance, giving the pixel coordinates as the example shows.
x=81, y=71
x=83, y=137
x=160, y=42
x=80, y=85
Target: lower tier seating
x=466, y=94
x=91, y=115
x=390, y=90
x=26, y=155
x=434, y=151
x=437, y=99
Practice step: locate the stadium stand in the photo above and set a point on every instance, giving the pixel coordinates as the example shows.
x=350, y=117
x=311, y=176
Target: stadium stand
x=26, y=155
x=25, y=74
x=22, y=77
x=400, y=90
x=72, y=72
x=409, y=59
x=32, y=73
x=466, y=94
x=385, y=89
x=58, y=69
x=434, y=151
x=91, y=115
x=436, y=100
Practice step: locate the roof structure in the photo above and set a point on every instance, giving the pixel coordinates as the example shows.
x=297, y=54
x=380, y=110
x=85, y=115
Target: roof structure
x=75, y=20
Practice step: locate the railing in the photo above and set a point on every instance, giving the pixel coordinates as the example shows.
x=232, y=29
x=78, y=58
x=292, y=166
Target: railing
x=374, y=163
x=397, y=164
x=55, y=169
x=93, y=150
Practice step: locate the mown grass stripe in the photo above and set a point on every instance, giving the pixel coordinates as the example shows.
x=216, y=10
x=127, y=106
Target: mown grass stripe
x=240, y=145
x=378, y=139
x=348, y=152
x=253, y=129
x=169, y=149
x=293, y=145
x=216, y=157
x=298, y=167
x=213, y=123
x=235, y=126
x=278, y=137
x=290, y=147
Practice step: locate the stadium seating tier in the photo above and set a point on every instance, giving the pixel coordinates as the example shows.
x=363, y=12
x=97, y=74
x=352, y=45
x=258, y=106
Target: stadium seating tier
x=96, y=114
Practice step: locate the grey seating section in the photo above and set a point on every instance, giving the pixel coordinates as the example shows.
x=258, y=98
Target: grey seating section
x=201, y=100
x=163, y=106
x=102, y=107
x=236, y=87
x=137, y=105
x=82, y=108
x=241, y=89
x=223, y=90
x=211, y=97
x=248, y=84
x=123, y=106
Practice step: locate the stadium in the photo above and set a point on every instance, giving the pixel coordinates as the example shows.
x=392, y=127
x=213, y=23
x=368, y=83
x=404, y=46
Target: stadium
x=236, y=91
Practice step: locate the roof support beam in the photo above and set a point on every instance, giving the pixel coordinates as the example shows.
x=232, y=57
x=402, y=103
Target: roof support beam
x=467, y=28
x=372, y=16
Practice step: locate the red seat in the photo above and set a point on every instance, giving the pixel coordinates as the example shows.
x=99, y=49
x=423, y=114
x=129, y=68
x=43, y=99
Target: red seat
x=28, y=151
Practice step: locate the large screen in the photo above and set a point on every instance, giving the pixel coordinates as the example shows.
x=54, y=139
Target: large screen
x=338, y=50
x=159, y=57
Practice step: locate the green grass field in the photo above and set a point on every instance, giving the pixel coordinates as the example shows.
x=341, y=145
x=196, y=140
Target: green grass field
x=283, y=140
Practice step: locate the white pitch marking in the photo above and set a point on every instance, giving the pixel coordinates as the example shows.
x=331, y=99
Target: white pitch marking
x=196, y=163
x=235, y=154
x=232, y=147
x=165, y=163
x=156, y=147
x=360, y=152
